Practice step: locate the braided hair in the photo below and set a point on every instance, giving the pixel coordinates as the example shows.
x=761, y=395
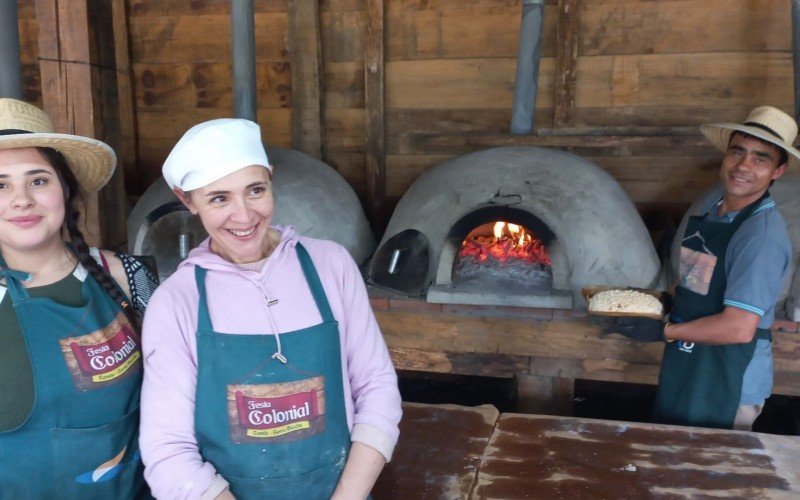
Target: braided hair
x=77, y=243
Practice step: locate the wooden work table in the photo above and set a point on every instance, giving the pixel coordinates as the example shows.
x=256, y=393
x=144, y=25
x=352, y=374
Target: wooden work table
x=545, y=349
x=448, y=451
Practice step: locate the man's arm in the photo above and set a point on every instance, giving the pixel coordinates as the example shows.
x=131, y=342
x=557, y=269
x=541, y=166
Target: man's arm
x=731, y=326
x=758, y=257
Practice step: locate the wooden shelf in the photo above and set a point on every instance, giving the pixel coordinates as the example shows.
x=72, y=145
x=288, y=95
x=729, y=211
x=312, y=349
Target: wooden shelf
x=539, y=343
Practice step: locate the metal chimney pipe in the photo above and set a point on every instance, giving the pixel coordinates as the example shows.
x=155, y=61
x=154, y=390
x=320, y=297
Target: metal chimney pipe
x=528, y=56
x=10, y=62
x=796, y=55
x=243, y=48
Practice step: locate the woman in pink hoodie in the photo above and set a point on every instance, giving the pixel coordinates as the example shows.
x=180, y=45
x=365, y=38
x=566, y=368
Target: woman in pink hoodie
x=265, y=372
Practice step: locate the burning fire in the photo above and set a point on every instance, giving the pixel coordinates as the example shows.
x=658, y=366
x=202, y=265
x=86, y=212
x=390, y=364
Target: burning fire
x=508, y=241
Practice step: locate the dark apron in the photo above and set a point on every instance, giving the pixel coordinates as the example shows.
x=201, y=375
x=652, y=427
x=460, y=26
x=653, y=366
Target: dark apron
x=699, y=384
x=81, y=437
x=273, y=427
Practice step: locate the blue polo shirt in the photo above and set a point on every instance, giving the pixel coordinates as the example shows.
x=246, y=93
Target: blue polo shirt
x=757, y=262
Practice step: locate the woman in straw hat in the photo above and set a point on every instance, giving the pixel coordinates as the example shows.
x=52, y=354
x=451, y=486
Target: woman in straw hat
x=298, y=397
x=70, y=354
x=734, y=257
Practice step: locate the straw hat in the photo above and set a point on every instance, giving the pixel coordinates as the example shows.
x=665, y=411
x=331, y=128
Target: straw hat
x=766, y=123
x=23, y=125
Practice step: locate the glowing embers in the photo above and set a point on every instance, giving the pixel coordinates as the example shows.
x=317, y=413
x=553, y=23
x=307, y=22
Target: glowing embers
x=503, y=253
x=506, y=242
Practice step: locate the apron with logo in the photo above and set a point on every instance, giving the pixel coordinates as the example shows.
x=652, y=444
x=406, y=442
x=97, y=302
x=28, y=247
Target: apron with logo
x=81, y=437
x=273, y=427
x=700, y=384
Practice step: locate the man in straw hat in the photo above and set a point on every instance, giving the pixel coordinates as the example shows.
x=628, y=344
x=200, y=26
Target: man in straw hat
x=734, y=256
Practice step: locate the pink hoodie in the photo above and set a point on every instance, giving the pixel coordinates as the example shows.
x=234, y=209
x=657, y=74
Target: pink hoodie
x=238, y=303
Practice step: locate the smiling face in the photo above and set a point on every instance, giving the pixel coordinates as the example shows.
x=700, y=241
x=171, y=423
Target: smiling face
x=236, y=212
x=747, y=170
x=31, y=202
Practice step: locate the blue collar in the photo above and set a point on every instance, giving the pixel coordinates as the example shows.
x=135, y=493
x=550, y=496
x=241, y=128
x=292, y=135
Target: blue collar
x=712, y=212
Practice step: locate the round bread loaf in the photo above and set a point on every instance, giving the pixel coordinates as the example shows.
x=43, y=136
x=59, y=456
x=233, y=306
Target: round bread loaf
x=625, y=301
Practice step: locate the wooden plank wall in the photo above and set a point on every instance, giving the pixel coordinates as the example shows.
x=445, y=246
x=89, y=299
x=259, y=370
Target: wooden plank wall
x=181, y=59
x=449, y=79
x=29, y=52
x=68, y=48
x=639, y=63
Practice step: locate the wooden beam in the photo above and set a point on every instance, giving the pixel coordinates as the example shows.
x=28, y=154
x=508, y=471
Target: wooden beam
x=128, y=140
x=375, y=113
x=624, y=131
x=65, y=64
x=461, y=143
x=566, y=63
x=112, y=198
x=305, y=59
x=460, y=363
x=76, y=61
x=66, y=73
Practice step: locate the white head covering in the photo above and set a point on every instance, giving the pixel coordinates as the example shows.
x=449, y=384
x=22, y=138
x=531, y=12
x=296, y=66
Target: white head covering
x=211, y=150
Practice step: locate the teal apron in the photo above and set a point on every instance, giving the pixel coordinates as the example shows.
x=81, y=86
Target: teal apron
x=273, y=426
x=699, y=384
x=81, y=437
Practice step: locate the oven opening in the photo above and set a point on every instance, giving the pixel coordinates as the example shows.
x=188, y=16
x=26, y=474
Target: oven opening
x=504, y=254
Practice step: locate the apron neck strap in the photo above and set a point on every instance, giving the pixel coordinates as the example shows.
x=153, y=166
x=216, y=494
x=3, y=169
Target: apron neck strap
x=12, y=277
x=747, y=211
x=314, y=283
x=312, y=278
x=203, y=318
x=12, y=273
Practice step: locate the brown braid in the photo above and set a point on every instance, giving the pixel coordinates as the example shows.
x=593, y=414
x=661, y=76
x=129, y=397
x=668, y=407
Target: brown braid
x=77, y=243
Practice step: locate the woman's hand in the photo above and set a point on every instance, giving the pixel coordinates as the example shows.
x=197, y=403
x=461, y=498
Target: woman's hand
x=225, y=495
x=364, y=465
